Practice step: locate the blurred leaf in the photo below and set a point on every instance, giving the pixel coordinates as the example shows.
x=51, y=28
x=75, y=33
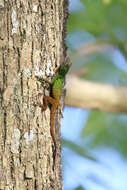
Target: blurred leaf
x=78, y=149
x=98, y=180
x=90, y=19
x=107, y=129
x=95, y=124
x=101, y=19
x=80, y=188
x=101, y=69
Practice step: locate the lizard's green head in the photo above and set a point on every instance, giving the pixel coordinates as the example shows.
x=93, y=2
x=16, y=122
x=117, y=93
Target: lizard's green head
x=65, y=67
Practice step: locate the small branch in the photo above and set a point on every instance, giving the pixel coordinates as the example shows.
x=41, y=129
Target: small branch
x=95, y=47
x=105, y=97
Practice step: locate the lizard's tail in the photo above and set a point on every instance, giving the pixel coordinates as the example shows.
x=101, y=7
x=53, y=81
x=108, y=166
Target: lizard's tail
x=53, y=133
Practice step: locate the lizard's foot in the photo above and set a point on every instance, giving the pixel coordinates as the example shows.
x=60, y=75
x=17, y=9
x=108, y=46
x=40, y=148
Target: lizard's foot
x=43, y=107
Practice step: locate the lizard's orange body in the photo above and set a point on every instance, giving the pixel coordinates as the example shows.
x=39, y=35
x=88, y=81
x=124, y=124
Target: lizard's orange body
x=54, y=101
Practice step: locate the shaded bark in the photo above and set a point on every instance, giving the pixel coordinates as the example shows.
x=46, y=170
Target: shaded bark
x=32, y=35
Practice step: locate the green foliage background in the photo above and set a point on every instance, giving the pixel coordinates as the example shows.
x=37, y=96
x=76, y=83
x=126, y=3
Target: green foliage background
x=105, y=22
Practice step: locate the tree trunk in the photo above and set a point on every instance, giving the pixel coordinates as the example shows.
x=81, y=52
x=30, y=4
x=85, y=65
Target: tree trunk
x=32, y=40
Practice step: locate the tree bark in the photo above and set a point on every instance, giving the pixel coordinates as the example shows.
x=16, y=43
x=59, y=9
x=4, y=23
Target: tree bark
x=32, y=40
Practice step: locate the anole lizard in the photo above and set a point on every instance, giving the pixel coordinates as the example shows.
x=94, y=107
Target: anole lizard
x=56, y=91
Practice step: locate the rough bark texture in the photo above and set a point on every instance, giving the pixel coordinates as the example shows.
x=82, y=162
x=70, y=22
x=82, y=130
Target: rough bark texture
x=32, y=36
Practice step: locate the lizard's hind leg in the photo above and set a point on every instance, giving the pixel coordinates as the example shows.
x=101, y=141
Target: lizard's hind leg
x=46, y=100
